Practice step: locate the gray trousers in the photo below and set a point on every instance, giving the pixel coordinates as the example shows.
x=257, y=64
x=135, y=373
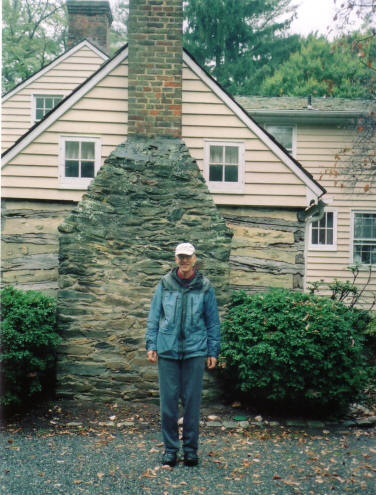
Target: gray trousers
x=180, y=379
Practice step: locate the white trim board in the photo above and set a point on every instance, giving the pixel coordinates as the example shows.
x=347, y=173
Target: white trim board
x=51, y=65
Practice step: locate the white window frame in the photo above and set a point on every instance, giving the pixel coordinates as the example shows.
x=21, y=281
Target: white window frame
x=48, y=94
x=293, y=152
x=325, y=247
x=78, y=182
x=225, y=187
x=352, y=232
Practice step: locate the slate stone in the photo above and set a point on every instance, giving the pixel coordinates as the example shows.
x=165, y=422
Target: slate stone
x=113, y=249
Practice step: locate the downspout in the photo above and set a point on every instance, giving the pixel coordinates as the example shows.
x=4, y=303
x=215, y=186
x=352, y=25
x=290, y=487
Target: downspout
x=313, y=213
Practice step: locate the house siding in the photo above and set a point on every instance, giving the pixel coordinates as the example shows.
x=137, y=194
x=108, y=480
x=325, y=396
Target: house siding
x=63, y=78
x=317, y=147
x=103, y=112
x=33, y=175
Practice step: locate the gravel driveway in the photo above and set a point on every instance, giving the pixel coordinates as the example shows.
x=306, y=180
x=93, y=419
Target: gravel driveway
x=119, y=453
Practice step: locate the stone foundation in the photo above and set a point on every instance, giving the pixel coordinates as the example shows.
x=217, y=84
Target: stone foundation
x=267, y=248
x=29, y=243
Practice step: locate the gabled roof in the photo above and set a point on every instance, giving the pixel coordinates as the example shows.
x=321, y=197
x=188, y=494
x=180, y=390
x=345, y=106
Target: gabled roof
x=121, y=55
x=51, y=65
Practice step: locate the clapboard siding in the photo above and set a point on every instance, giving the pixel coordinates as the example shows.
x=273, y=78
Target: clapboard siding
x=61, y=79
x=102, y=111
x=318, y=149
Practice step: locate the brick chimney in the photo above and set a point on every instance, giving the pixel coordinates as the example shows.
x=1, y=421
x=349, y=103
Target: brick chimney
x=155, y=35
x=89, y=19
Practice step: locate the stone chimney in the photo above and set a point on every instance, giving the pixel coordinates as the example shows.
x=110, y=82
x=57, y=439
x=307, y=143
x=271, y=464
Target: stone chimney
x=155, y=34
x=91, y=20
x=148, y=196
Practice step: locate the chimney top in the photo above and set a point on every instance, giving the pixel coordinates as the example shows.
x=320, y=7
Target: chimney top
x=90, y=19
x=155, y=64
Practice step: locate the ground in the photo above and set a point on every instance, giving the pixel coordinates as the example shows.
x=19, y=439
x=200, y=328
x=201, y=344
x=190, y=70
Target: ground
x=73, y=448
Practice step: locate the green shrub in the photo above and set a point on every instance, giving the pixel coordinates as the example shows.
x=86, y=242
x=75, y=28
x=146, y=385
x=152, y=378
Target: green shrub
x=28, y=345
x=294, y=349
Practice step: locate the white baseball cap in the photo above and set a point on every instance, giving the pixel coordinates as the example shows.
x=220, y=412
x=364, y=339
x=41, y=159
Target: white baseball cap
x=185, y=248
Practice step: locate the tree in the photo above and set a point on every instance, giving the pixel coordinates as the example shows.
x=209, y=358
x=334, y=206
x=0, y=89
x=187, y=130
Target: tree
x=34, y=33
x=361, y=166
x=323, y=68
x=118, y=32
x=239, y=41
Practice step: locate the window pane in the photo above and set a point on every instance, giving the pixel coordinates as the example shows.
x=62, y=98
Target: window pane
x=49, y=103
x=322, y=236
x=72, y=149
x=329, y=236
x=315, y=235
x=365, y=226
x=232, y=155
x=231, y=173
x=87, y=169
x=87, y=150
x=215, y=173
x=71, y=168
x=329, y=219
x=39, y=102
x=39, y=114
x=216, y=154
x=283, y=134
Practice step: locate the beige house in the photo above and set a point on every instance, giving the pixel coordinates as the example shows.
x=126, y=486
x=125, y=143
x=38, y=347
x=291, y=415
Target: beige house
x=263, y=189
x=244, y=167
x=320, y=133
x=28, y=102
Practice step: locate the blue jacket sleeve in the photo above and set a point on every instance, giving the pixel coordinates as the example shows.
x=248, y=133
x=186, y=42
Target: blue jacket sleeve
x=212, y=323
x=153, y=319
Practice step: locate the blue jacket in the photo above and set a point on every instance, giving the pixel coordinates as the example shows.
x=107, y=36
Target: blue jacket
x=183, y=321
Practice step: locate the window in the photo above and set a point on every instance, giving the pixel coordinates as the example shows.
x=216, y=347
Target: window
x=224, y=166
x=323, y=232
x=43, y=104
x=364, y=238
x=285, y=135
x=79, y=161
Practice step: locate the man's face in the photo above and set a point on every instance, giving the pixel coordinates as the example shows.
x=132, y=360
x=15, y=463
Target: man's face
x=185, y=264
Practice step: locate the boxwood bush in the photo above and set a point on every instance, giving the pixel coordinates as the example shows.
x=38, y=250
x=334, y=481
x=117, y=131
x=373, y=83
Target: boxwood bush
x=28, y=346
x=294, y=350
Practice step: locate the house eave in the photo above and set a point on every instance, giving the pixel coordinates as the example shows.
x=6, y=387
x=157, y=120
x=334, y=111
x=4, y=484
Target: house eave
x=305, y=116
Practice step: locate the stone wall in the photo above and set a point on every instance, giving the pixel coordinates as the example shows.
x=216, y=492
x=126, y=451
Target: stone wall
x=267, y=248
x=29, y=243
x=114, y=248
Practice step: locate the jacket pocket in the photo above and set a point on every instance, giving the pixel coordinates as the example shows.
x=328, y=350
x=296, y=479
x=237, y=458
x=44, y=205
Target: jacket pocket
x=170, y=311
x=196, y=309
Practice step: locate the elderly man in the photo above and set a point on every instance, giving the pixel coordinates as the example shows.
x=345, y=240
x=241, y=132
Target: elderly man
x=183, y=332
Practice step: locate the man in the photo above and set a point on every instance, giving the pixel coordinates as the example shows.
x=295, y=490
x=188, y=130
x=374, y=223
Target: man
x=183, y=332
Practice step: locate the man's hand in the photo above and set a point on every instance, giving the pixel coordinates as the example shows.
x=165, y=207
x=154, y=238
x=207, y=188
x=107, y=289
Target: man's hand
x=152, y=356
x=211, y=362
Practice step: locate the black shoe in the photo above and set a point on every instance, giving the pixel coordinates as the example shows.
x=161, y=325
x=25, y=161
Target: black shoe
x=190, y=459
x=169, y=459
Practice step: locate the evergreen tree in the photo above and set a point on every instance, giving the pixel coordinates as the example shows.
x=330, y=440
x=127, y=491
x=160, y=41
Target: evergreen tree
x=323, y=68
x=239, y=41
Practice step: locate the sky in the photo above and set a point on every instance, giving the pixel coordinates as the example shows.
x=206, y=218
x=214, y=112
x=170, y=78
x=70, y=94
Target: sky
x=313, y=15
